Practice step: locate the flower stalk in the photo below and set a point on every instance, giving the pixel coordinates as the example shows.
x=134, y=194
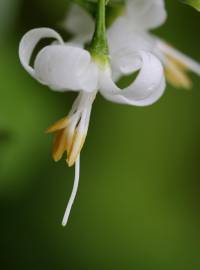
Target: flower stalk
x=99, y=45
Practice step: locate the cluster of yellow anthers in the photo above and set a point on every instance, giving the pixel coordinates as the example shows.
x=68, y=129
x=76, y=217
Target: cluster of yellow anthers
x=65, y=140
x=176, y=73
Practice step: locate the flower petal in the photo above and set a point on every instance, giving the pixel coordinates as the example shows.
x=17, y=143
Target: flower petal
x=145, y=14
x=135, y=38
x=122, y=46
x=147, y=88
x=64, y=67
x=79, y=23
x=29, y=42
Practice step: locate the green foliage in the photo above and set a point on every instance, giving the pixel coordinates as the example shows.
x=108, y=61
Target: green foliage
x=8, y=10
x=193, y=3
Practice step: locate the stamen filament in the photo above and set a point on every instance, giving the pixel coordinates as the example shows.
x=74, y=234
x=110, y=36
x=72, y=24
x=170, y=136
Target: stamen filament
x=74, y=192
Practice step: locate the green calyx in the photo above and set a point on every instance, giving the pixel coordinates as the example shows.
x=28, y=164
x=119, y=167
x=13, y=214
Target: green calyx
x=99, y=45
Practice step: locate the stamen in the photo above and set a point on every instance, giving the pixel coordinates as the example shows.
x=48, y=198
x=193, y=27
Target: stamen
x=59, y=146
x=79, y=137
x=74, y=192
x=61, y=124
x=183, y=59
x=76, y=147
x=176, y=74
x=71, y=131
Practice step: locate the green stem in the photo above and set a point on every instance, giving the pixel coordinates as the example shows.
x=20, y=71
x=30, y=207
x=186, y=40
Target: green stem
x=99, y=45
x=101, y=18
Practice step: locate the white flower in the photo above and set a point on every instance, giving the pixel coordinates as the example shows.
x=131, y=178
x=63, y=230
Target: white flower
x=137, y=18
x=134, y=29
x=63, y=67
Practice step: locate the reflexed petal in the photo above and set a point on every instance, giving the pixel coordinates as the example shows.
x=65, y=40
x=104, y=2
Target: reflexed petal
x=122, y=46
x=66, y=68
x=128, y=38
x=79, y=23
x=29, y=42
x=146, y=14
x=147, y=88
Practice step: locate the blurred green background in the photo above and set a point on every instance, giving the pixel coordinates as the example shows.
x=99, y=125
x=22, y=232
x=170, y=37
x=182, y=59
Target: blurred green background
x=138, y=201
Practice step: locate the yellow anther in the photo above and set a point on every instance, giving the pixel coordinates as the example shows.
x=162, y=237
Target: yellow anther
x=60, y=144
x=61, y=124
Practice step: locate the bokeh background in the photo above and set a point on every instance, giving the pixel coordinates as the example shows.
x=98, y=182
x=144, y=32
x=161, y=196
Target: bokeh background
x=138, y=201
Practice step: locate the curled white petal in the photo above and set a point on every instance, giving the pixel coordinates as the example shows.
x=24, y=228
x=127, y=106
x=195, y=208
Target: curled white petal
x=64, y=67
x=121, y=46
x=147, y=88
x=29, y=42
